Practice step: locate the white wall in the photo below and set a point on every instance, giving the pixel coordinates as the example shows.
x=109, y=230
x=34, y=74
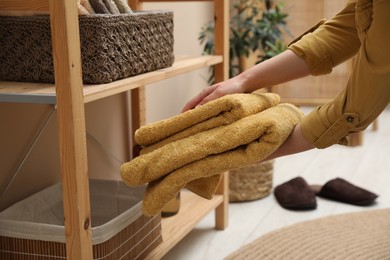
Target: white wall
x=166, y=98
x=105, y=119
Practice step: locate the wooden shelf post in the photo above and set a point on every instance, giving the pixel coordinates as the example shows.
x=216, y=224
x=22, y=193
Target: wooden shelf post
x=71, y=125
x=221, y=36
x=70, y=97
x=221, y=73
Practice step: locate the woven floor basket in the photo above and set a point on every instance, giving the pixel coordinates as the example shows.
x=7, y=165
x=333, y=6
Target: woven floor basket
x=252, y=182
x=112, y=46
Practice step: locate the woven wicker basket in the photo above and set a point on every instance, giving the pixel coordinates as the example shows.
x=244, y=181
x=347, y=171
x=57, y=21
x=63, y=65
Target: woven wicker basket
x=33, y=228
x=112, y=46
x=251, y=182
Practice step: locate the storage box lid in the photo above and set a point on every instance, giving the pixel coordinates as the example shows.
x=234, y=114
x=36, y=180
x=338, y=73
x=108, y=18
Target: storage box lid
x=40, y=217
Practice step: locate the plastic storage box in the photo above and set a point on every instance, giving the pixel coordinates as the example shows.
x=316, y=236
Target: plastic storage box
x=33, y=228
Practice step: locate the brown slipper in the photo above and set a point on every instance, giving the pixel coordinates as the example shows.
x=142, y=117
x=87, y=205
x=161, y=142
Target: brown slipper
x=295, y=194
x=343, y=191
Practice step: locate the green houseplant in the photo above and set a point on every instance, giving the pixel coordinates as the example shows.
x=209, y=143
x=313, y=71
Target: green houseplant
x=256, y=26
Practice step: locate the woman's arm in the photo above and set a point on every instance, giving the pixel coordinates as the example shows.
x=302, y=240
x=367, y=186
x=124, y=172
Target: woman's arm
x=316, y=52
x=295, y=143
x=281, y=68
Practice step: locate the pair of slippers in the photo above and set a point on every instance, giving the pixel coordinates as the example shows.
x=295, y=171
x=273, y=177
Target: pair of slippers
x=296, y=194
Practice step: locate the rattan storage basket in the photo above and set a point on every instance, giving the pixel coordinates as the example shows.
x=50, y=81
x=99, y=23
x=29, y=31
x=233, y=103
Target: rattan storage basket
x=112, y=46
x=33, y=228
x=251, y=182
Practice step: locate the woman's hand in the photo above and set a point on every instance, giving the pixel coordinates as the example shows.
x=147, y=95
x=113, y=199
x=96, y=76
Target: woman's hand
x=281, y=68
x=215, y=91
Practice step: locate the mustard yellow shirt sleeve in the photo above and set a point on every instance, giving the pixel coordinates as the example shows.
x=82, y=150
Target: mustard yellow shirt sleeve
x=329, y=42
x=359, y=28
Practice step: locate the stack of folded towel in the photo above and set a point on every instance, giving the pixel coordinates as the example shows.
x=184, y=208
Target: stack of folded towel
x=87, y=7
x=192, y=149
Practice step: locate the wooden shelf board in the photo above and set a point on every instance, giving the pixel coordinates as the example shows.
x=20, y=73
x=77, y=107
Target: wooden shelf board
x=22, y=7
x=22, y=91
x=192, y=209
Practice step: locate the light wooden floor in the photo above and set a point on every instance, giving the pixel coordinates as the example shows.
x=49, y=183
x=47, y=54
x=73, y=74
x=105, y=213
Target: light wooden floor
x=367, y=166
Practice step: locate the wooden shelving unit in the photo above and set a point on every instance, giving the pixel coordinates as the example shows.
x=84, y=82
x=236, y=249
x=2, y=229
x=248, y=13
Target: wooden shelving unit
x=46, y=93
x=69, y=95
x=176, y=227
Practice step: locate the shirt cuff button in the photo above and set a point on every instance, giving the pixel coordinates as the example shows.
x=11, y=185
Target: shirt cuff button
x=350, y=119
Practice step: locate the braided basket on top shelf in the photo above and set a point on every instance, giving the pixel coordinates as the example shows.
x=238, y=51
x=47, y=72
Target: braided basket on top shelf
x=113, y=47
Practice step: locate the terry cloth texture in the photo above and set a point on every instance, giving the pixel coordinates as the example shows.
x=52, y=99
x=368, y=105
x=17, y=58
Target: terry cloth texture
x=82, y=10
x=358, y=235
x=111, y=6
x=243, y=142
x=123, y=6
x=222, y=111
x=87, y=5
x=99, y=7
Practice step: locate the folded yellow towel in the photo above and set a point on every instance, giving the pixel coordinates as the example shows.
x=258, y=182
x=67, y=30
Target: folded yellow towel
x=87, y=5
x=123, y=6
x=205, y=187
x=111, y=6
x=82, y=10
x=99, y=7
x=243, y=142
x=219, y=112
